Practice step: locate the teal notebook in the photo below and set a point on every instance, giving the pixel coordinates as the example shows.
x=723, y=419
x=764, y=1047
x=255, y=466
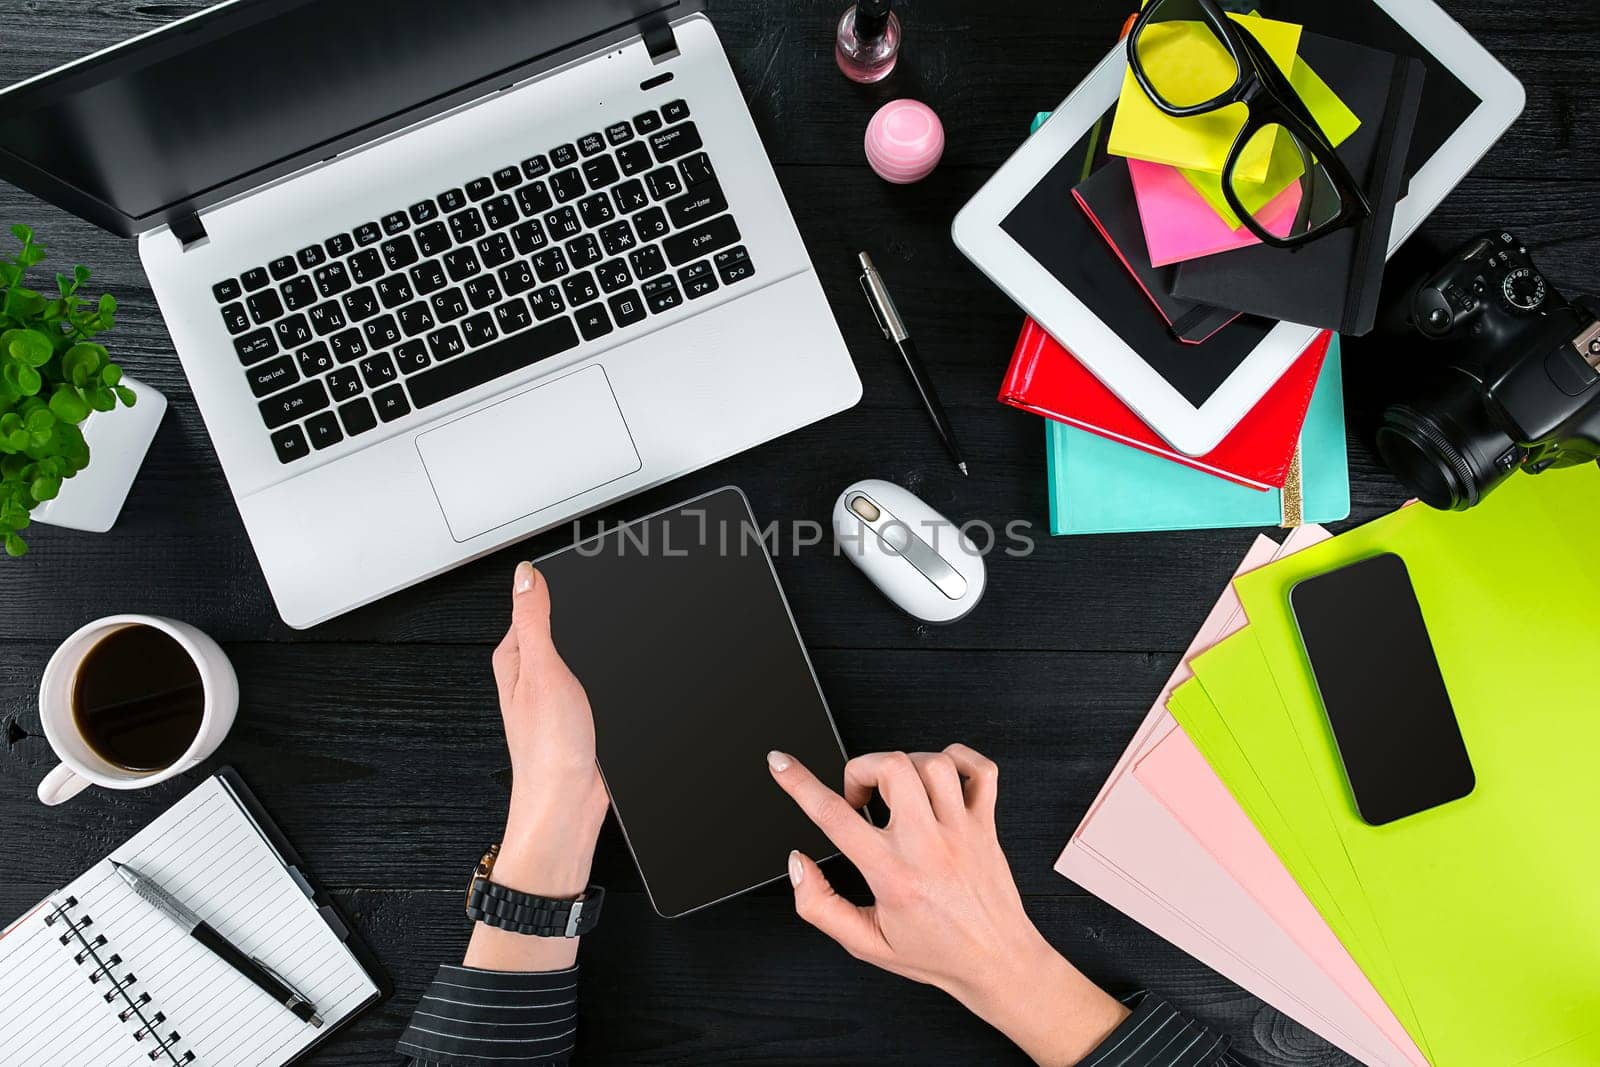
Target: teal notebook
x=1100, y=486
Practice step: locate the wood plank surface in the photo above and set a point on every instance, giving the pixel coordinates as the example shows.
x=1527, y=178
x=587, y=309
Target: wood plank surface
x=374, y=739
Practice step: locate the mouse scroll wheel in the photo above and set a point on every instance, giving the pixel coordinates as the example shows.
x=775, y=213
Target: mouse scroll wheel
x=865, y=508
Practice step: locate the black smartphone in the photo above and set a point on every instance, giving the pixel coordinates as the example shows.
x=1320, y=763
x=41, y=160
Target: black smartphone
x=1381, y=688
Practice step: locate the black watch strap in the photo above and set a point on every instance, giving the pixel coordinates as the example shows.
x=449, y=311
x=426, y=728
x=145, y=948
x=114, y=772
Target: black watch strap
x=524, y=913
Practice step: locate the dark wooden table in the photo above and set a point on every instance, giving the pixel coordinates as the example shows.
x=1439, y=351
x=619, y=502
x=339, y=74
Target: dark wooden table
x=374, y=738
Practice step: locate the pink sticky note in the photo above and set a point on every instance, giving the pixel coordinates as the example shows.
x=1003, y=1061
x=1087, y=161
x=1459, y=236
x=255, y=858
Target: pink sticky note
x=1178, y=223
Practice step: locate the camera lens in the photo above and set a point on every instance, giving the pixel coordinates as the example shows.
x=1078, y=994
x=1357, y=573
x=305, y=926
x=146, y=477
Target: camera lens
x=1447, y=461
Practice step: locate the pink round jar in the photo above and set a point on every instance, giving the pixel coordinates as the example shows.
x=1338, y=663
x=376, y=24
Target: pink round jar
x=905, y=141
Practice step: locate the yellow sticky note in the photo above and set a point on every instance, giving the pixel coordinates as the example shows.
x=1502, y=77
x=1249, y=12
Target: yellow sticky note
x=1336, y=120
x=1189, y=54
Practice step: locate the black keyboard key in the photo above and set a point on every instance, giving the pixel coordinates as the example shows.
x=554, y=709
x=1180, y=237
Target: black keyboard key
x=283, y=267
x=662, y=294
x=535, y=167
x=315, y=360
x=400, y=252
x=357, y=417
x=733, y=265
x=649, y=122
x=651, y=224
x=368, y=233
x=362, y=304
x=294, y=331
x=267, y=378
x=264, y=307
x=618, y=133
x=227, y=291
x=467, y=226
x=699, y=280
x=697, y=169
x=326, y=318
x=591, y=144
x=507, y=178
x=596, y=210
x=675, y=141
x=517, y=278
x=256, y=278
x=412, y=357
x=618, y=238
x=485, y=365
x=345, y=383
x=563, y=223
x=627, y=308
x=593, y=322
x=381, y=333
x=424, y=211
x=550, y=264
x=582, y=251
x=480, y=189
x=299, y=293
x=699, y=203
x=546, y=302
x=446, y=343
x=580, y=288
x=378, y=371
x=324, y=430
x=634, y=158
x=495, y=251
x=307, y=398
x=479, y=330
x=529, y=237
x=391, y=403
x=462, y=264
x=452, y=200
x=600, y=172
x=236, y=318
x=535, y=199
x=348, y=345
x=395, y=290
x=311, y=256
x=333, y=279
x=397, y=222
x=699, y=240
x=415, y=319
x=612, y=275
x=513, y=316
x=501, y=212
x=567, y=185
x=434, y=240
x=255, y=346
x=664, y=183
x=367, y=266
x=340, y=245
x=290, y=444
x=630, y=196
x=449, y=305
x=482, y=292
x=563, y=155
x=428, y=277
x=675, y=111
x=647, y=262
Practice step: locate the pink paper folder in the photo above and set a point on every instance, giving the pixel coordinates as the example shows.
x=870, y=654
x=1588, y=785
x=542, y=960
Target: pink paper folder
x=1178, y=223
x=1132, y=852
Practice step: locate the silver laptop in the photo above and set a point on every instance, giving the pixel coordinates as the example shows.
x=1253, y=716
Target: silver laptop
x=443, y=275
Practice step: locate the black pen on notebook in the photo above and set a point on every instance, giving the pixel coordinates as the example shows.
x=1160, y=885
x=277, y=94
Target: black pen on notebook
x=263, y=976
x=894, y=329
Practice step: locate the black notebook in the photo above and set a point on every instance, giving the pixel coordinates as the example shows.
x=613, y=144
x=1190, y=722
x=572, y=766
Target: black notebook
x=96, y=975
x=1333, y=282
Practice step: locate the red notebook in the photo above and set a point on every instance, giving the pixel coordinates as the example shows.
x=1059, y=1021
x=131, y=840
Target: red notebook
x=1045, y=379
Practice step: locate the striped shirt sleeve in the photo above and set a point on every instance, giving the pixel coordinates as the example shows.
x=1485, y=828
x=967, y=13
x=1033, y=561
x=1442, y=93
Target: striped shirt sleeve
x=1157, y=1035
x=474, y=1018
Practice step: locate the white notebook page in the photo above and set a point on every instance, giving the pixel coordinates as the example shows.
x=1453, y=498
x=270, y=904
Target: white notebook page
x=207, y=852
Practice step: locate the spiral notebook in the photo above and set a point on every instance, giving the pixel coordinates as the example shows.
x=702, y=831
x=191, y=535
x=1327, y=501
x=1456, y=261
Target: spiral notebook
x=95, y=975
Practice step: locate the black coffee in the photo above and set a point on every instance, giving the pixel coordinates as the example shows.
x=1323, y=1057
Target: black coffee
x=138, y=699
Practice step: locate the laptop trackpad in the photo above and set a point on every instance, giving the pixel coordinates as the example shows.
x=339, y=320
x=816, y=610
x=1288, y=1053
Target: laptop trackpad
x=528, y=453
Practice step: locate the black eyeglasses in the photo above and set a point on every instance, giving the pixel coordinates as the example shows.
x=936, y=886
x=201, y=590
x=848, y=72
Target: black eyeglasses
x=1180, y=52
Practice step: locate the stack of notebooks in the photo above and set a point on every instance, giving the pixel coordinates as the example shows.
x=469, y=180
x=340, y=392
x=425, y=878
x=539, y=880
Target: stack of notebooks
x=1154, y=193
x=1466, y=935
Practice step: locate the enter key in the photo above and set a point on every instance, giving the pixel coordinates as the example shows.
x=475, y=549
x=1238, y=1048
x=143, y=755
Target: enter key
x=700, y=202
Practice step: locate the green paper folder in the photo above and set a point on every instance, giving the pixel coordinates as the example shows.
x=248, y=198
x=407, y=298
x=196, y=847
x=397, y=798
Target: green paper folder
x=1478, y=921
x=1100, y=486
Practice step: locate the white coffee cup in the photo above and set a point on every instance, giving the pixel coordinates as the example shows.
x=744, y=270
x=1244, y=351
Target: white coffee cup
x=81, y=766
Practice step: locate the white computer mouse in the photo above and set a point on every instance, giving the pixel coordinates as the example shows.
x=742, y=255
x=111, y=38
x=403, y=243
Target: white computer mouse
x=918, y=558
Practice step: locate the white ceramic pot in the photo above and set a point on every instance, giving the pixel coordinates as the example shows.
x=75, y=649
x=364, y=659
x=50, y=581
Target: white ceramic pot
x=118, y=440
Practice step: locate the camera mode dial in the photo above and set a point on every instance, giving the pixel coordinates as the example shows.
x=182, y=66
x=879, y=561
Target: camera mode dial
x=1524, y=289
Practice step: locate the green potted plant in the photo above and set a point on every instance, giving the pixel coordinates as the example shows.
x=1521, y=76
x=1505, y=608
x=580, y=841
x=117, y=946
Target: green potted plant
x=60, y=394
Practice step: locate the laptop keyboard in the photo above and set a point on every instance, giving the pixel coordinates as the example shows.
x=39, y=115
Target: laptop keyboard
x=432, y=300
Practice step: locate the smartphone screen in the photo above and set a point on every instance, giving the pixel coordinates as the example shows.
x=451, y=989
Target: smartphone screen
x=1381, y=688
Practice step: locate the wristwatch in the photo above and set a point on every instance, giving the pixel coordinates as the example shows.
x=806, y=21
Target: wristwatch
x=524, y=913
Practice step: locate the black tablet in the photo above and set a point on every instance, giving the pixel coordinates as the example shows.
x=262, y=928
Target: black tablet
x=679, y=631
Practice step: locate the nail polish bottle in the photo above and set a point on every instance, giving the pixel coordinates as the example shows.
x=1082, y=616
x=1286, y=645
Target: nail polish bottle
x=868, y=41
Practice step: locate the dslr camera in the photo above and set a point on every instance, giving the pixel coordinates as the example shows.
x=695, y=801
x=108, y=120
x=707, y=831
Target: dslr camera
x=1517, y=387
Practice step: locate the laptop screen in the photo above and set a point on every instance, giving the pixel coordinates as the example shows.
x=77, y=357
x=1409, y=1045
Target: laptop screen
x=255, y=87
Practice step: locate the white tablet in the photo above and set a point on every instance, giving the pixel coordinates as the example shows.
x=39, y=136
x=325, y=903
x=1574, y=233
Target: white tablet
x=1026, y=233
